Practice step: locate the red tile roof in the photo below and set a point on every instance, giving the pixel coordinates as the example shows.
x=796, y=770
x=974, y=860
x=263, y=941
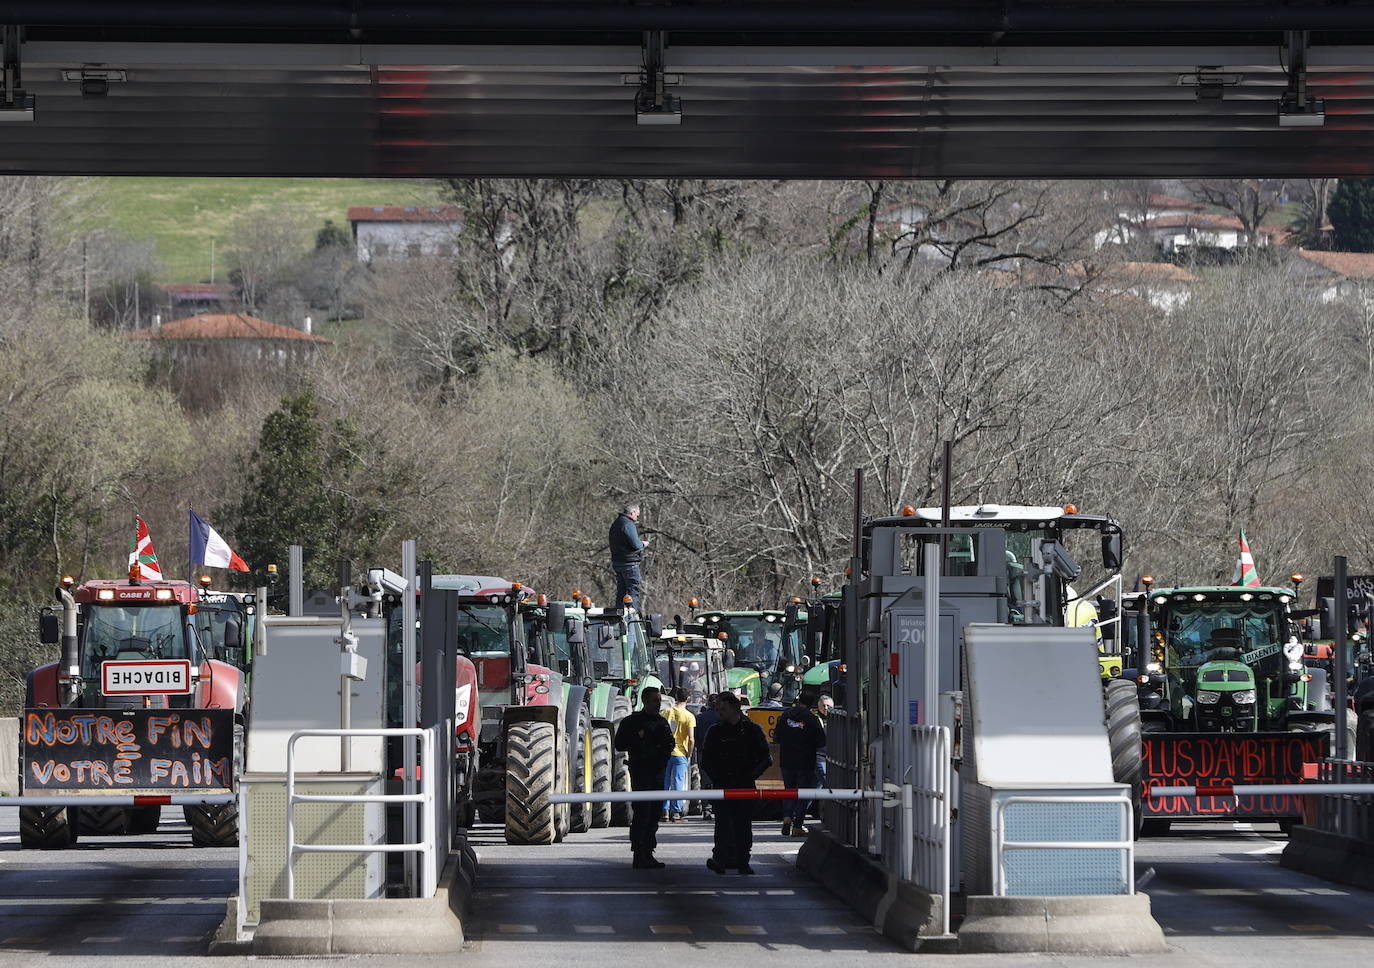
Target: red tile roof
x=1205, y=222
x=405, y=213
x=225, y=326
x=1172, y=201
x=1132, y=273
x=1351, y=265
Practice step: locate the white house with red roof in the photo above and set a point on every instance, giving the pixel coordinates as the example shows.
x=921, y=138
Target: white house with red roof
x=395, y=232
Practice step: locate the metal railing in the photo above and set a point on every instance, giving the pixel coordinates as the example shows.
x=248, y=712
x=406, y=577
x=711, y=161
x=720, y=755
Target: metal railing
x=1351, y=814
x=426, y=846
x=927, y=843
x=1124, y=843
x=842, y=817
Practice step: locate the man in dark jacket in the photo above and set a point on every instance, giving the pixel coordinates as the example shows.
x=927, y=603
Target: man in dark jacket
x=707, y=718
x=627, y=552
x=799, y=735
x=734, y=754
x=648, y=739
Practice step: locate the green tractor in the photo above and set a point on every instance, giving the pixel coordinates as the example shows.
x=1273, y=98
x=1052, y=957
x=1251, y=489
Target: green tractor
x=817, y=622
x=761, y=651
x=1224, y=695
x=687, y=657
x=622, y=666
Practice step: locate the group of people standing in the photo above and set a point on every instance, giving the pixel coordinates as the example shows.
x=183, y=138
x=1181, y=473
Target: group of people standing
x=733, y=753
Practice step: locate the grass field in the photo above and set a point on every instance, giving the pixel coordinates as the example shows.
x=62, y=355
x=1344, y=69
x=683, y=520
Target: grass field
x=184, y=216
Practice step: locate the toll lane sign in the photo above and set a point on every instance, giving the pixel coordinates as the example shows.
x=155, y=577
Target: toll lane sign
x=141, y=677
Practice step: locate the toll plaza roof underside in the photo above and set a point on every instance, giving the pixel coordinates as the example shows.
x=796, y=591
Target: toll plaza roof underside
x=783, y=89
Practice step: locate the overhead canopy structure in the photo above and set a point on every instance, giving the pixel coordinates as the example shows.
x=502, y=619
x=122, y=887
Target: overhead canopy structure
x=725, y=88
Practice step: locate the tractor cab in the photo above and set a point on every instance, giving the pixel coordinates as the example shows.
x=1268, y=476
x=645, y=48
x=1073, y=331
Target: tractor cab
x=1044, y=553
x=760, y=651
x=1224, y=659
x=687, y=658
x=225, y=623
x=619, y=643
x=818, y=622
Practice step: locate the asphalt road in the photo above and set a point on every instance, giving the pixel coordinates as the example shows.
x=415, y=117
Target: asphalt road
x=1216, y=889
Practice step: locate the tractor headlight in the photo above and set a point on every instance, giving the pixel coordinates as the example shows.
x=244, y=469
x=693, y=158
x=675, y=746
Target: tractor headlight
x=1208, y=698
x=1154, y=667
x=1244, y=697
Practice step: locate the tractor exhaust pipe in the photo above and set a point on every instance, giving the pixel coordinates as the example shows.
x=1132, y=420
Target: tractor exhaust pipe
x=69, y=672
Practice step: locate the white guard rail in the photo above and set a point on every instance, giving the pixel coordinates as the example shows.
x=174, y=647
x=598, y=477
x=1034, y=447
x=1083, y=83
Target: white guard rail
x=1125, y=844
x=426, y=847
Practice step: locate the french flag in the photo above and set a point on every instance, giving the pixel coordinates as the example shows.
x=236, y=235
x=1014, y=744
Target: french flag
x=208, y=548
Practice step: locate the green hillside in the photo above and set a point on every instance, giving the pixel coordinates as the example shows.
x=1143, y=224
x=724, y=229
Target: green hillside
x=184, y=215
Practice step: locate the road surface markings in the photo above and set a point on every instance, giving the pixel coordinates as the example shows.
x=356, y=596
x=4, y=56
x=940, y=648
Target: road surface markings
x=1223, y=891
x=593, y=929
x=517, y=929
x=745, y=929
x=103, y=939
x=1311, y=927
x=1233, y=928
x=1330, y=891
x=186, y=939
x=670, y=929
x=23, y=941
x=822, y=929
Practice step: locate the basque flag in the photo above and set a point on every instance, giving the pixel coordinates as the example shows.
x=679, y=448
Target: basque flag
x=208, y=548
x=142, y=557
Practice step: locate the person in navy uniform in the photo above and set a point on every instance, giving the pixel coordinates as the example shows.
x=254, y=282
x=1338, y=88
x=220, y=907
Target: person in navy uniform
x=648, y=740
x=800, y=738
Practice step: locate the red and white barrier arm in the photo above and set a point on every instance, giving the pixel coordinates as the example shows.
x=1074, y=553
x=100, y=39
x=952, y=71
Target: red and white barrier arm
x=1265, y=790
x=641, y=796
x=120, y=800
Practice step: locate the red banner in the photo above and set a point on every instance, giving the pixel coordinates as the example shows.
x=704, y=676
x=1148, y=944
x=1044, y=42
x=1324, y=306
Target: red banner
x=1211, y=759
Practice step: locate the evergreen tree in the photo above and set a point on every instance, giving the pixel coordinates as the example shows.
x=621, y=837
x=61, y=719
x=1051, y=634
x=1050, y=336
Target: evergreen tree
x=332, y=235
x=1352, y=215
x=285, y=499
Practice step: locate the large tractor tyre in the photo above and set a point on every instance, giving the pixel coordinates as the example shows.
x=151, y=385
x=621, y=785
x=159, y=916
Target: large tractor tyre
x=217, y=825
x=144, y=820
x=562, y=813
x=1123, y=736
x=602, y=764
x=104, y=821
x=620, y=768
x=531, y=778
x=48, y=828
x=580, y=814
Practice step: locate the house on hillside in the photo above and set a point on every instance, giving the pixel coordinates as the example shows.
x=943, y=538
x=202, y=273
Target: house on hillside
x=238, y=335
x=184, y=299
x=908, y=224
x=394, y=232
x=1163, y=285
x=1131, y=214
x=1337, y=276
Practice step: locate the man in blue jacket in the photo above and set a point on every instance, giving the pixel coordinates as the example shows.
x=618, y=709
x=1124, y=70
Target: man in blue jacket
x=627, y=552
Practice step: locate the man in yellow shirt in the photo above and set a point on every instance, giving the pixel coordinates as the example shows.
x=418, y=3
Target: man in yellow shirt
x=683, y=725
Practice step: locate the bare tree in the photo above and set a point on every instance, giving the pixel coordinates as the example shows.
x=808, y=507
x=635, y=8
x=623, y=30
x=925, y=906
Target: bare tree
x=1249, y=200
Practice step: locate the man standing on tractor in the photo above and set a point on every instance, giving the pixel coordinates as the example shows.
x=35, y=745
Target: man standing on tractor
x=800, y=737
x=647, y=739
x=627, y=553
x=734, y=755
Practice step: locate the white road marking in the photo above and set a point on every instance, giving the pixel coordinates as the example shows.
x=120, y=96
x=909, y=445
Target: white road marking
x=822, y=929
x=517, y=929
x=745, y=929
x=112, y=939
x=1271, y=849
x=593, y=929
x=1311, y=927
x=1232, y=928
x=1145, y=878
x=669, y=929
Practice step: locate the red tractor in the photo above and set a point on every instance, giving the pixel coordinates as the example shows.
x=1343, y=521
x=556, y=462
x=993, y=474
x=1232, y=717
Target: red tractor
x=136, y=706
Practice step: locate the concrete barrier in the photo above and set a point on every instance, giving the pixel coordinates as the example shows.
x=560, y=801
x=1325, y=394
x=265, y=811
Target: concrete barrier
x=381, y=927
x=901, y=910
x=1114, y=924
x=1334, y=857
x=9, y=756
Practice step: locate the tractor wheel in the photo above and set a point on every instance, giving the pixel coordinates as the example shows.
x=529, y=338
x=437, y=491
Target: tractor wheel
x=489, y=794
x=48, y=828
x=620, y=768
x=1123, y=735
x=144, y=820
x=580, y=814
x=562, y=813
x=531, y=777
x=217, y=825
x=104, y=821
x=601, y=775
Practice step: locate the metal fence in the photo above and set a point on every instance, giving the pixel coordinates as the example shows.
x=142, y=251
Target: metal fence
x=1348, y=814
x=427, y=844
x=842, y=743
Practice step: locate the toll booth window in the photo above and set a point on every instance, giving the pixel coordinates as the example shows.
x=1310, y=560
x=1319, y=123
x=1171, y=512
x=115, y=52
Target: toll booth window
x=961, y=555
